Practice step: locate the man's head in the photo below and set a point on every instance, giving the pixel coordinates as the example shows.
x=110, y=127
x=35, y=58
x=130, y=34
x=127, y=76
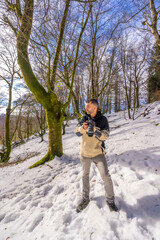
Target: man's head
x=91, y=107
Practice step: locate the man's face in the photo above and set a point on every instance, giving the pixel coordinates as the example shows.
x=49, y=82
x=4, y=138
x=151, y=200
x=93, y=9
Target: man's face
x=90, y=108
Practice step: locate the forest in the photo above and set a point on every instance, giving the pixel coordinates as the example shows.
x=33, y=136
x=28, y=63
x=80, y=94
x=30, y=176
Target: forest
x=56, y=54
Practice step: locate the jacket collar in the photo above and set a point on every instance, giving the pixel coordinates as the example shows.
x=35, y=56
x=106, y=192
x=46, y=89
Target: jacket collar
x=96, y=117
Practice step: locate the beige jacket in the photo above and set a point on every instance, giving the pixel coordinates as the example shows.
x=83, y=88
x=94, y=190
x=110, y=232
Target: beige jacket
x=91, y=146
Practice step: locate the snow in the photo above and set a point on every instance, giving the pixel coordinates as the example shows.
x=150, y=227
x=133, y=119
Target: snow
x=40, y=203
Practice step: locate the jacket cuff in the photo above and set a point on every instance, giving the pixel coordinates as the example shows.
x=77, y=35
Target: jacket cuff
x=79, y=134
x=81, y=130
x=98, y=133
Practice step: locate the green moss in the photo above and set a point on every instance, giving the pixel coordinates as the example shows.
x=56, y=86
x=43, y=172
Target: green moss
x=42, y=161
x=54, y=120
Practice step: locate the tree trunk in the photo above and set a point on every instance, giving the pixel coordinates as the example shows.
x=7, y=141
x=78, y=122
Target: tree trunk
x=54, y=121
x=19, y=130
x=134, y=104
x=110, y=104
x=76, y=105
x=127, y=99
x=55, y=134
x=116, y=96
x=8, y=149
x=6, y=155
x=137, y=93
x=27, y=125
x=130, y=93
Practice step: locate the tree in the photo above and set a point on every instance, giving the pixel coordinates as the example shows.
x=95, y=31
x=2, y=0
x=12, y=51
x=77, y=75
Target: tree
x=152, y=19
x=100, y=48
x=133, y=62
x=9, y=73
x=54, y=108
x=154, y=76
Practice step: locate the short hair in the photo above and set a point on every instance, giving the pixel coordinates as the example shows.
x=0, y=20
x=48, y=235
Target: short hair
x=93, y=101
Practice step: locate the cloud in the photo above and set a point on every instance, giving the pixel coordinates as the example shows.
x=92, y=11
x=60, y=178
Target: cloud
x=19, y=89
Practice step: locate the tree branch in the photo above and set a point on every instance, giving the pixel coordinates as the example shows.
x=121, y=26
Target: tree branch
x=23, y=60
x=6, y=20
x=75, y=59
x=84, y=1
x=59, y=43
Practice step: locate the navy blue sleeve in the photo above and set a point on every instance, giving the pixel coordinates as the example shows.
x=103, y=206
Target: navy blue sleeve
x=105, y=125
x=83, y=119
x=104, y=128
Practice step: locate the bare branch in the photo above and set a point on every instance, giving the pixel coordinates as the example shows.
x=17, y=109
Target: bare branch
x=58, y=49
x=76, y=57
x=3, y=78
x=6, y=20
x=84, y=1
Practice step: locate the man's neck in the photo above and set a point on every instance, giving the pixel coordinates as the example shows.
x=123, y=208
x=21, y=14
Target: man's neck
x=93, y=114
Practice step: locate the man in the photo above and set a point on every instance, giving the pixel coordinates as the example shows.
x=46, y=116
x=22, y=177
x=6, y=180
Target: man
x=94, y=130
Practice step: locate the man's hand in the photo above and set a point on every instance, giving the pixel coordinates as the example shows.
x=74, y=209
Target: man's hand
x=85, y=126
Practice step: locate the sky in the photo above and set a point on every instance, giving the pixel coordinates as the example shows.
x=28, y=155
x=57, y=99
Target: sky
x=121, y=7
x=19, y=89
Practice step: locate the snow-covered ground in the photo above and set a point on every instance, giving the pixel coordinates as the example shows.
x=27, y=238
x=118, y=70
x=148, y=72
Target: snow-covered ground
x=41, y=203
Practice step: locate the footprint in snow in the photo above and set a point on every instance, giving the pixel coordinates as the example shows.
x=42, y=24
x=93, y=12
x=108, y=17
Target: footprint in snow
x=139, y=176
x=112, y=149
x=78, y=185
x=39, y=180
x=35, y=222
x=67, y=217
x=47, y=205
x=146, y=164
x=74, y=172
x=27, y=199
x=18, y=199
x=23, y=207
x=35, y=203
x=11, y=190
x=130, y=163
x=58, y=190
x=11, y=217
x=46, y=190
x=73, y=179
x=2, y=216
x=28, y=190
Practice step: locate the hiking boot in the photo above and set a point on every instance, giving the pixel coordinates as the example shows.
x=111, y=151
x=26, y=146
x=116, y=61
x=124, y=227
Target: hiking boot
x=83, y=204
x=112, y=206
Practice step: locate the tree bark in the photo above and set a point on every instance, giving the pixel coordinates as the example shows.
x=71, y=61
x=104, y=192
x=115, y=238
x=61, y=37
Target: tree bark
x=54, y=118
x=6, y=155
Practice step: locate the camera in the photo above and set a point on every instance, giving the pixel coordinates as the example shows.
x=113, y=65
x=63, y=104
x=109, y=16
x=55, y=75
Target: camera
x=90, y=130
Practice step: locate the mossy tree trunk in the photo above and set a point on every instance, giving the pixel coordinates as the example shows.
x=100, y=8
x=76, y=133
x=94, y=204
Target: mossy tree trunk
x=55, y=133
x=53, y=108
x=54, y=121
x=47, y=98
x=8, y=146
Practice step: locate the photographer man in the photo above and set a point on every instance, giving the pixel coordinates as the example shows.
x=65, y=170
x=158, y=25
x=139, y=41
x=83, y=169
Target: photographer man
x=94, y=130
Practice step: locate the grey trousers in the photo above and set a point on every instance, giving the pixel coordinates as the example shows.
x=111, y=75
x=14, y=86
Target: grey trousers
x=101, y=164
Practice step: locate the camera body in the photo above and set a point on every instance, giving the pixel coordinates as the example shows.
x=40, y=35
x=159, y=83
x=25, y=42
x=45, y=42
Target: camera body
x=90, y=130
